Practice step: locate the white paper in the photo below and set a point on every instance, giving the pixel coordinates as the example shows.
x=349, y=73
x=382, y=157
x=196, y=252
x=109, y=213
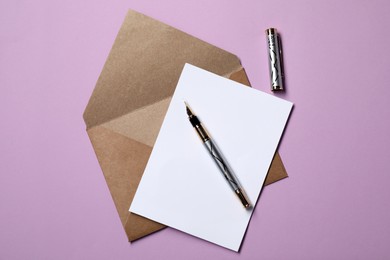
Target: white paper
x=182, y=187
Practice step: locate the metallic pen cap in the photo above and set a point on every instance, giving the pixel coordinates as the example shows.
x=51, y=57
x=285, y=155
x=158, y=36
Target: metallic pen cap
x=275, y=59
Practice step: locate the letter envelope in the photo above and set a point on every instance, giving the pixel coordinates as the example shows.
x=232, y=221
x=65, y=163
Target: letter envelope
x=131, y=98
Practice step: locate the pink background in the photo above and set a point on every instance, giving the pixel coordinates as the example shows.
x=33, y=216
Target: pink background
x=54, y=203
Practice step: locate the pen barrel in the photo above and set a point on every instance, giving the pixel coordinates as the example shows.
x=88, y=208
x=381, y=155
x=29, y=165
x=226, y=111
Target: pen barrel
x=222, y=165
x=275, y=59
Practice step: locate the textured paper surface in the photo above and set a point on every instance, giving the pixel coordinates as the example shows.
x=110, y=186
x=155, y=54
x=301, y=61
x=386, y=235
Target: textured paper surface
x=131, y=97
x=181, y=186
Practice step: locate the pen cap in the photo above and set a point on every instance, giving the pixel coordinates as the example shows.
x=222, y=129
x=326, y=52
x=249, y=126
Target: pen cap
x=275, y=59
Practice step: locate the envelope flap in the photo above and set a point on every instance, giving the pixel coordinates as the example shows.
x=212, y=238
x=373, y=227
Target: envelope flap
x=144, y=65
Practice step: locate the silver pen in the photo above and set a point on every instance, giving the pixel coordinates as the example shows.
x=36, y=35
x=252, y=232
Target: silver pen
x=217, y=156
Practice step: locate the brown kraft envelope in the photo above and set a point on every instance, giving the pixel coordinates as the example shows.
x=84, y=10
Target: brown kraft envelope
x=131, y=97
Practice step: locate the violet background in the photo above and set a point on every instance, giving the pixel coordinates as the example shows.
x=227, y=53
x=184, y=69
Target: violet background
x=54, y=202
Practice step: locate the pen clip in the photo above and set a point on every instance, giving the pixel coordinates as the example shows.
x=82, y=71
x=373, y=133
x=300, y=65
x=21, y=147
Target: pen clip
x=280, y=56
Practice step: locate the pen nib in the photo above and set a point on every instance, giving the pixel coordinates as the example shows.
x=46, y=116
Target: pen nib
x=189, y=112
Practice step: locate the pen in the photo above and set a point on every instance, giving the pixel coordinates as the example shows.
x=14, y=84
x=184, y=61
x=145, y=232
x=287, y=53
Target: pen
x=217, y=156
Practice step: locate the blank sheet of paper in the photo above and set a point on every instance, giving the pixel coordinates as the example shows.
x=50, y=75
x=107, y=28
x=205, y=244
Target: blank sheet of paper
x=182, y=186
